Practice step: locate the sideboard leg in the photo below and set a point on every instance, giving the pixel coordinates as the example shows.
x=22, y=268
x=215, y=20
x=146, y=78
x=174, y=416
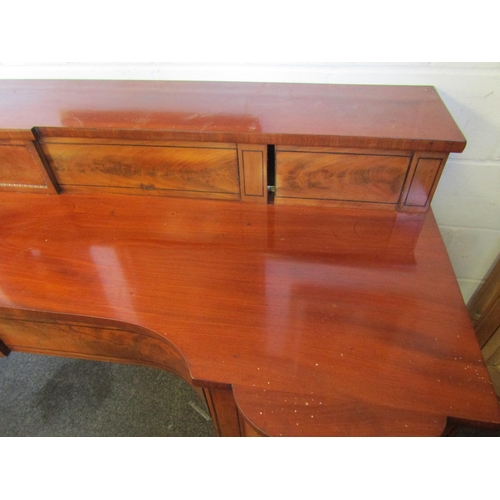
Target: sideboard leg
x=224, y=412
x=4, y=350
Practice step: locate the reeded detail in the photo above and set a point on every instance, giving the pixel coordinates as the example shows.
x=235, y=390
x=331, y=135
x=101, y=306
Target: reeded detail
x=15, y=185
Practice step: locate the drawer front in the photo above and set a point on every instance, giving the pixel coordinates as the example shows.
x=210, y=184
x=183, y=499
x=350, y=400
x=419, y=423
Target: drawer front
x=19, y=170
x=340, y=176
x=91, y=342
x=175, y=170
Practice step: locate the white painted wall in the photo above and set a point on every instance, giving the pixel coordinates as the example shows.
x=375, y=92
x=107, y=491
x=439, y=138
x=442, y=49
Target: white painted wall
x=467, y=202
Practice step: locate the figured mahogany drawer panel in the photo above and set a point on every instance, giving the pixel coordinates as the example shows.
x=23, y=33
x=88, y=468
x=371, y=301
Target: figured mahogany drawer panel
x=194, y=170
x=19, y=169
x=340, y=176
x=91, y=342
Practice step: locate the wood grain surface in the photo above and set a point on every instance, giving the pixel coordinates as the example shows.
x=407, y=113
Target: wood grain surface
x=340, y=176
x=183, y=169
x=323, y=322
x=364, y=116
x=86, y=338
x=252, y=160
x=18, y=169
x=425, y=171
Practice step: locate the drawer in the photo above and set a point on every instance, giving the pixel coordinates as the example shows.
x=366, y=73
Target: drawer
x=21, y=169
x=203, y=170
x=91, y=341
x=315, y=177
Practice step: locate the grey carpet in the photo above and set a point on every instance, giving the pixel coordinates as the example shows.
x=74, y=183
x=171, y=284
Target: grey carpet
x=52, y=396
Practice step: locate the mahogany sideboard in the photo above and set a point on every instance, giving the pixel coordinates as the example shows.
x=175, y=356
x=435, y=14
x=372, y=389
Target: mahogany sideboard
x=272, y=244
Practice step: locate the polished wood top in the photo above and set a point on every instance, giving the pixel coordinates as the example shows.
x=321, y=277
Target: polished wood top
x=325, y=322
x=364, y=116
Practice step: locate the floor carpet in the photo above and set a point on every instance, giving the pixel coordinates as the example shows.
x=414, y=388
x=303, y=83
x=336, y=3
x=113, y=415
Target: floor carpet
x=52, y=396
